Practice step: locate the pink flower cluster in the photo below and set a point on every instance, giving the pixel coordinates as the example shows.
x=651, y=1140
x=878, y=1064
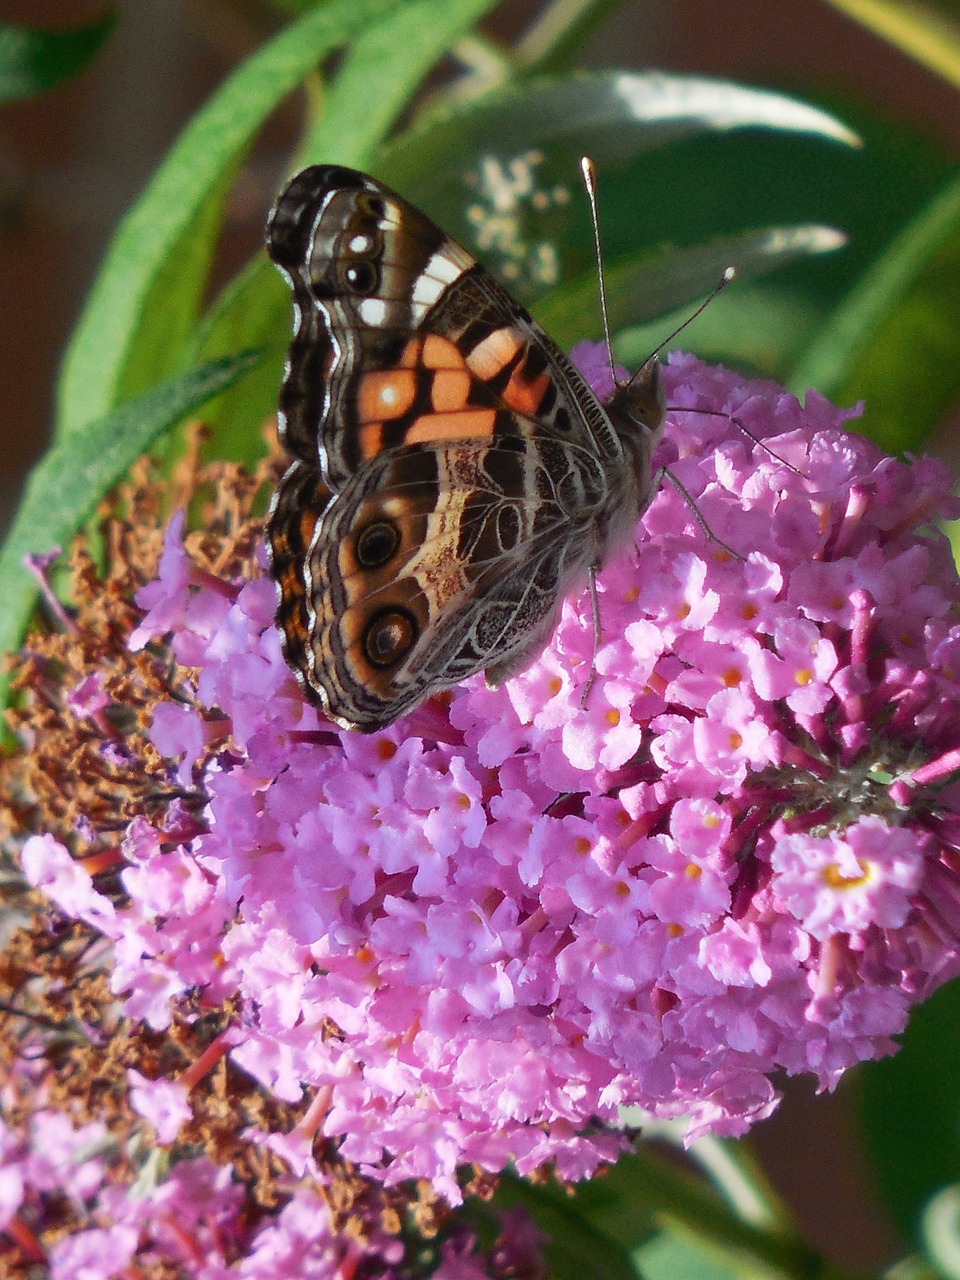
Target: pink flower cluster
x=476, y=935
x=189, y=1218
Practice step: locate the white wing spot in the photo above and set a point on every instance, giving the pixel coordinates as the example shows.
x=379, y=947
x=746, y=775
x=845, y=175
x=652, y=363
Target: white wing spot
x=426, y=291
x=442, y=267
x=440, y=271
x=374, y=311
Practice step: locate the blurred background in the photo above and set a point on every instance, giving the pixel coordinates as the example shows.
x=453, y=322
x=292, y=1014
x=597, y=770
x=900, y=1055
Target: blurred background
x=72, y=160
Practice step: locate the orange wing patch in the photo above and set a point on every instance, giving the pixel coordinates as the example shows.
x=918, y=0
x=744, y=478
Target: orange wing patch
x=385, y=393
x=370, y=440
x=451, y=426
x=431, y=352
x=525, y=395
x=411, y=356
x=440, y=353
x=450, y=390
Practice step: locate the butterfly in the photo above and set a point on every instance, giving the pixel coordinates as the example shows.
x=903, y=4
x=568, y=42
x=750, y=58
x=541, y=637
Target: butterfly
x=452, y=475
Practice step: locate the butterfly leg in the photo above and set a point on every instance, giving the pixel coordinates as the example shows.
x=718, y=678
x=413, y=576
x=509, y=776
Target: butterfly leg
x=666, y=474
x=595, y=610
x=732, y=417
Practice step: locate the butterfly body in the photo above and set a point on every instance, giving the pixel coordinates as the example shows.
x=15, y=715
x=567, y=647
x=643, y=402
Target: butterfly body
x=453, y=476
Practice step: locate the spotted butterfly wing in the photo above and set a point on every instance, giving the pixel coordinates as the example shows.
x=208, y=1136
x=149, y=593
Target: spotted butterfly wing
x=452, y=477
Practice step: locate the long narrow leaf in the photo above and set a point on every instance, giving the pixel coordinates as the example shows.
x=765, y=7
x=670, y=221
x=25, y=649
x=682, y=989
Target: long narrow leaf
x=756, y=325
x=393, y=53
x=32, y=61
x=609, y=113
x=894, y=338
x=67, y=484
x=168, y=315
x=645, y=286
x=106, y=339
x=648, y=1186
x=253, y=310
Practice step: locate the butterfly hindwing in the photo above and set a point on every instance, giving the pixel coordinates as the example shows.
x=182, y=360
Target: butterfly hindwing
x=434, y=562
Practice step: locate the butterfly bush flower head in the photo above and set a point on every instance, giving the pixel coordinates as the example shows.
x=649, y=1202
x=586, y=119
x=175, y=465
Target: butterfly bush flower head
x=473, y=937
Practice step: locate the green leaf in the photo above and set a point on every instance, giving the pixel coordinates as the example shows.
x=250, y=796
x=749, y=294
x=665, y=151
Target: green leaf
x=647, y=285
x=555, y=38
x=665, y=1257
x=895, y=340
x=648, y=1189
x=115, y=322
x=32, y=61
x=171, y=305
x=252, y=311
x=607, y=115
x=757, y=326
x=501, y=173
x=393, y=54
x=910, y=1107
x=66, y=485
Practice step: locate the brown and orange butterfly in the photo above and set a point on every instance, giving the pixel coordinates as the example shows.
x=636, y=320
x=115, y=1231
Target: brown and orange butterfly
x=452, y=475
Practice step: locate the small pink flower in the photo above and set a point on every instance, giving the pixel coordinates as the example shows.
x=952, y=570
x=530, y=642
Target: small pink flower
x=97, y=1254
x=868, y=878
x=163, y=1103
x=50, y=867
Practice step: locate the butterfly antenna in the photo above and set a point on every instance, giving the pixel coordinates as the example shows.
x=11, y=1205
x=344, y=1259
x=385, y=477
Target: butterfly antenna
x=590, y=182
x=729, y=274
